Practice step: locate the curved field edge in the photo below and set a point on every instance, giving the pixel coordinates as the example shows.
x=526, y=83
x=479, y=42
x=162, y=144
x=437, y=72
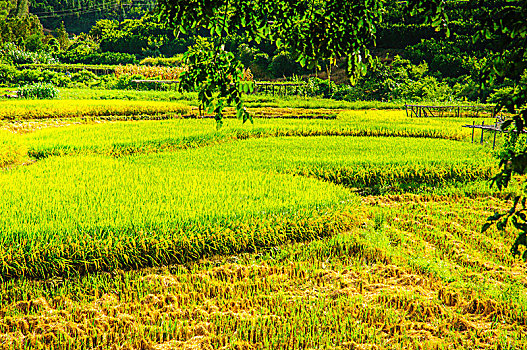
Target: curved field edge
x=83, y=254
x=196, y=141
x=139, y=137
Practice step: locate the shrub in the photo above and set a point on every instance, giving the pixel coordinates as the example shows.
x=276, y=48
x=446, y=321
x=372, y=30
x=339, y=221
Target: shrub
x=34, y=43
x=124, y=81
x=399, y=79
x=442, y=56
x=39, y=91
x=320, y=87
x=84, y=76
x=12, y=54
x=7, y=74
x=10, y=76
x=342, y=92
x=73, y=57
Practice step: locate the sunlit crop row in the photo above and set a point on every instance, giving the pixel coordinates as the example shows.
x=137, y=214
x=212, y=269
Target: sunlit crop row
x=153, y=136
x=393, y=282
x=12, y=151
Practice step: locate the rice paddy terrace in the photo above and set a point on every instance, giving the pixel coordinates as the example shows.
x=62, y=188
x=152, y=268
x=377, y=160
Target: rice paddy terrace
x=324, y=229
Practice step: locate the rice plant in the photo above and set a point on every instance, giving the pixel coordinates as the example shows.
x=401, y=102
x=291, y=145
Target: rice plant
x=70, y=215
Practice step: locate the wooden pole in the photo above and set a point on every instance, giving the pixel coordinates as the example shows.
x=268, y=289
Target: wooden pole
x=473, y=130
x=495, y=132
x=482, y=124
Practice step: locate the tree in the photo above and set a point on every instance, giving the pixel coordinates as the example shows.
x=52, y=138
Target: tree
x=16, y=23
x=62, y=37
x=508, y=29
x=21, y=8
x=311, y=30
x=5, y=8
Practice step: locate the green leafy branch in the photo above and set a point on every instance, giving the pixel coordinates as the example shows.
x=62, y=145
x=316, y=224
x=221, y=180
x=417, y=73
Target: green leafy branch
x=217, y=77
x=508, y=28
x=312, y=30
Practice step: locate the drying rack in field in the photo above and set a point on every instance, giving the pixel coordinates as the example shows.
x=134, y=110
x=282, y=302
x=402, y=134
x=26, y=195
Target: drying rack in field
x=496, y=127
x=424, y=111
x=280, y=88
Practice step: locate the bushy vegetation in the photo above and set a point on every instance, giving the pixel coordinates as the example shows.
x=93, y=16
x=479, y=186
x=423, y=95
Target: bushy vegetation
x=429, y=66
x=38, y=91
x=12, y=54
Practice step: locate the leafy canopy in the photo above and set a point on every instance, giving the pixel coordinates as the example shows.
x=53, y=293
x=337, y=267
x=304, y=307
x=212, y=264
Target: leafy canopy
x=508, y=28
x=311, y=30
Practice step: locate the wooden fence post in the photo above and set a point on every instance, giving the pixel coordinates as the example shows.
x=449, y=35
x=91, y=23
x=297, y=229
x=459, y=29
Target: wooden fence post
x=495, y=132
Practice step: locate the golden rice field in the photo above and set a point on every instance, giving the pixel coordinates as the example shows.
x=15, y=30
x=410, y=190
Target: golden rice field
x=41, y=109
x=165, y=73
x=358, y=232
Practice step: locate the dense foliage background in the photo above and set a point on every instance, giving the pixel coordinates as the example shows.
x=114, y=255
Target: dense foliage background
x=414, y=61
